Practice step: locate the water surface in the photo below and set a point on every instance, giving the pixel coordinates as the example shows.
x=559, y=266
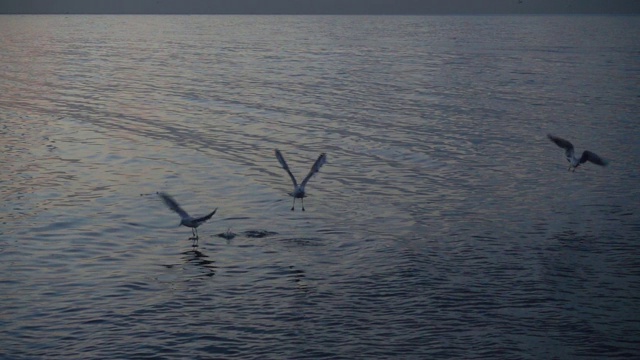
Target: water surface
x=444, y=225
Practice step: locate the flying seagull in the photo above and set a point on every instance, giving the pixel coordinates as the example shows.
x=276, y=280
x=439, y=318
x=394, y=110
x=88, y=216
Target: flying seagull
x=298, y=190
x=574, y=162
x=186, y=219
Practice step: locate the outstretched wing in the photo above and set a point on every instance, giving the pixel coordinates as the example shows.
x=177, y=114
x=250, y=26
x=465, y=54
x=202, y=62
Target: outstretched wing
x=315, y=168
x=173, y=205
x=592, y=157
x=565, y=144
x=286, y=167
x=200, y=220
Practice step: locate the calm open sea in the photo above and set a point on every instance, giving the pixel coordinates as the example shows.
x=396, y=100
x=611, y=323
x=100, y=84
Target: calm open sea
x=445, y=225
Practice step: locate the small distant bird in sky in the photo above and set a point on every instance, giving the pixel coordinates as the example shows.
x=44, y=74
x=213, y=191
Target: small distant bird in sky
x=186, y=219
x=298, y=190
x=574, y=162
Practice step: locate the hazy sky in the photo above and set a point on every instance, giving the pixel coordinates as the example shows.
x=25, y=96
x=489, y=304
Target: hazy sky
x=319, y=6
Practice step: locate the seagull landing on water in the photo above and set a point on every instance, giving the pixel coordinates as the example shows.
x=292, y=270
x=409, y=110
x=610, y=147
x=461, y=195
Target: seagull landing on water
x=574, y=162
x=186, y=219
x=298, y=190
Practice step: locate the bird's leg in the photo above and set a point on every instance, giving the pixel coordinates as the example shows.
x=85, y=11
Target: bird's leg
x=302, y=201
x=294, y=204
x=194, y=232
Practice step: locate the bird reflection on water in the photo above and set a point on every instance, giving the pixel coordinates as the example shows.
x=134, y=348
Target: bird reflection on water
x=200, y=260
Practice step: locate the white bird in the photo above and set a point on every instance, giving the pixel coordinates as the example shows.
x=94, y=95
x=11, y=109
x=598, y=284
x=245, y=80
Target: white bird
x=298, y=190
x=574, y=162
x=186, y=219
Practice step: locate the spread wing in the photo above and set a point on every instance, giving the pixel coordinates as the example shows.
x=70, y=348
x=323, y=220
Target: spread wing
x=315, y=168
x=565, y=144
x=592, y=157
x=206, y=217
x=173, y=205
x=286, y=167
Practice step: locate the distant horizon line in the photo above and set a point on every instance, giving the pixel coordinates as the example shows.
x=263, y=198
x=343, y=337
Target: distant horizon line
x=321, y=7
x=328, y=13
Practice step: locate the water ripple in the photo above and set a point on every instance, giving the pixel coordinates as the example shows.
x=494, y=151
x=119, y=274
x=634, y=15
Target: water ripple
x=444, y=224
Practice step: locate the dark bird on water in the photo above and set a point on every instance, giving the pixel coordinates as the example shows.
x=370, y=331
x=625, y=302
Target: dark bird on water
x=186, y=219
x=298, y=190
x=574, y=161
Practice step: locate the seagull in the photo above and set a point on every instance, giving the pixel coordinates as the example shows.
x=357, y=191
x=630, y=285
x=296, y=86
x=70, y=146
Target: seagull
x=186, y=219
x=574, y=162
x=298, y=190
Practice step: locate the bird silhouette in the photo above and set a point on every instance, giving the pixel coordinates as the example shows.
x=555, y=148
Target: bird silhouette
x=574, y=161
x=299, y=189
x=186, y=219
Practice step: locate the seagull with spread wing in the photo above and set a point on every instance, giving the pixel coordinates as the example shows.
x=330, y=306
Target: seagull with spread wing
x=298, y=189
x=574, y=161
x=186, y=219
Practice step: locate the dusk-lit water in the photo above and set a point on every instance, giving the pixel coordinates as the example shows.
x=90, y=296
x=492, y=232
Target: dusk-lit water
x=444, y=225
